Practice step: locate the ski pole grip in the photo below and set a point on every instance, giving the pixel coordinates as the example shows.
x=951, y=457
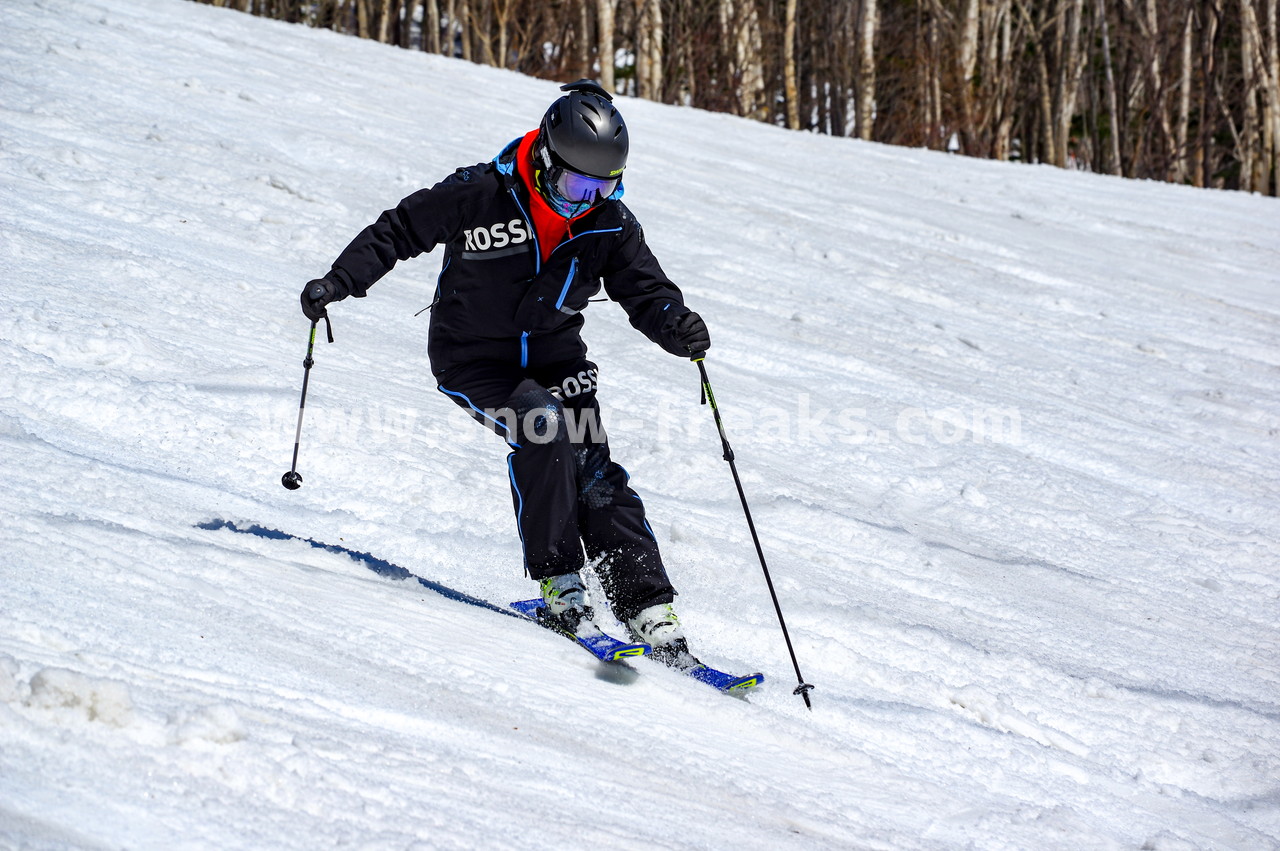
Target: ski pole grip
x=316, y=292
x=697, y=356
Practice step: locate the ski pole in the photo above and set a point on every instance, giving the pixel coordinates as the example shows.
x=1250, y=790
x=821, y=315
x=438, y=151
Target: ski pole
x=708, y=396
x=292, y=480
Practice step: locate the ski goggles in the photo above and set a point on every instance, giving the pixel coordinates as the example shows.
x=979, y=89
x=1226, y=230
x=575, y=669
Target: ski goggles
x=579, y=188
x=574, y=186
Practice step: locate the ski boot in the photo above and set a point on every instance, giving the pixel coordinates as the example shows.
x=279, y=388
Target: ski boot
x=564, y=603
x=659, y=627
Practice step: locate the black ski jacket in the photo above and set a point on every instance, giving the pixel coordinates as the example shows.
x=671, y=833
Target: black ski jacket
x=496, y=298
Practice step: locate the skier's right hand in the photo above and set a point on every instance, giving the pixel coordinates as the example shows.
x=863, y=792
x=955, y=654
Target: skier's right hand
x=316, y=296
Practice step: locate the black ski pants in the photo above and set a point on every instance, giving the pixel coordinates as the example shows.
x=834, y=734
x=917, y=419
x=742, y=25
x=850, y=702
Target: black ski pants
x=567, y=492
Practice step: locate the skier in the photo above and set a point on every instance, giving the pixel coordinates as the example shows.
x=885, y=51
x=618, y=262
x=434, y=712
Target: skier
x=529, y=237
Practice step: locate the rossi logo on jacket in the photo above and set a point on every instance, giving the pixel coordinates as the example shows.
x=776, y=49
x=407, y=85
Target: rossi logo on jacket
x=499, y=235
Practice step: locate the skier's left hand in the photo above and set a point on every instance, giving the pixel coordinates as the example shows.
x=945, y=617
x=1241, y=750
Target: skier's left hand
x=690, y=334
x=316, y=296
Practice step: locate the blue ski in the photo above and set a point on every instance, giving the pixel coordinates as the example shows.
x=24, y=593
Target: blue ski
x=603, y=647
x=610, y=649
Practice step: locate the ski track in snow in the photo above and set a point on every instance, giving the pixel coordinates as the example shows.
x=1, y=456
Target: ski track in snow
x=1009, y=434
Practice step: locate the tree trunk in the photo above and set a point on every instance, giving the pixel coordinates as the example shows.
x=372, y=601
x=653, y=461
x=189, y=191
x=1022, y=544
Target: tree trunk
x=1116, y=165
x=866, y=75
x=934, y=125
x=604, y=42
x=480, y=30
x=1005, y=84
x=1045, y=123
x=431, y=27
x=1182, y=168
x=504, y=35
x=789, y=67
x=740, y=35
x=362, y=18
x=1272, y=63
x=1248, y=148
x=649, y=38
x=967, y=65
x=1209, y=74
x=386, y=20
x=1260, y=96
x=584, y=40
x=1273, y=93
x=406, y=27
x=464, y=15
x=1071, y=60
x=449, y=45
x=1159, y=102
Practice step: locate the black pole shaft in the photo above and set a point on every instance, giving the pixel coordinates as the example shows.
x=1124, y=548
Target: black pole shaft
x=291, y=479
x=802, y=688
x=302, y=404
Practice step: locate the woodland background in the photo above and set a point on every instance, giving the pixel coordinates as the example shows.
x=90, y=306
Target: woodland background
x=1177, y=90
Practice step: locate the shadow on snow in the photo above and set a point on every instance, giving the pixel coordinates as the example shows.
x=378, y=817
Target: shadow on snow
x=380, y=566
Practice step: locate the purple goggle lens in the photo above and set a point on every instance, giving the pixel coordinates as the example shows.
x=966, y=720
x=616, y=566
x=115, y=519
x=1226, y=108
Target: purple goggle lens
x=579, y=188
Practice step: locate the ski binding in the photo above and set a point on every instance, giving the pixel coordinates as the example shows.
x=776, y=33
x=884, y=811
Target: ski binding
x=602, y=646
x=609, y=649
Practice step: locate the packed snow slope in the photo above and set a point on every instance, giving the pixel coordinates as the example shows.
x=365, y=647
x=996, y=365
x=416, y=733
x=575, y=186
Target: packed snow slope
x=1009, y=434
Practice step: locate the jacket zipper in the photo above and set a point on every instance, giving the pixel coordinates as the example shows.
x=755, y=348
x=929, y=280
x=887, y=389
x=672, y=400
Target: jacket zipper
x=564, y=293
x=568, y=282
x=537, y=268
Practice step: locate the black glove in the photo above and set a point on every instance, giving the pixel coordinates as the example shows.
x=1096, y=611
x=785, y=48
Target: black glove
x=690, y=334
x=316, y=295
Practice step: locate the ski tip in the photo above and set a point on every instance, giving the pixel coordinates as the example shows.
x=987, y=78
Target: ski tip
x=727, y=683
x=744, y=683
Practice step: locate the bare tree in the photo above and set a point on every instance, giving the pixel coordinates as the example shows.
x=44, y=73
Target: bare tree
x=865, y=81
x=966, y=68
x=1070, y=56
x=1113, y=110
x=604, y=42
x=649, y=43
x=790, y=72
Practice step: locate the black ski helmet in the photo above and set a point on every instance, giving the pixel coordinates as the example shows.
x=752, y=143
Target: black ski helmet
x=585, y=131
